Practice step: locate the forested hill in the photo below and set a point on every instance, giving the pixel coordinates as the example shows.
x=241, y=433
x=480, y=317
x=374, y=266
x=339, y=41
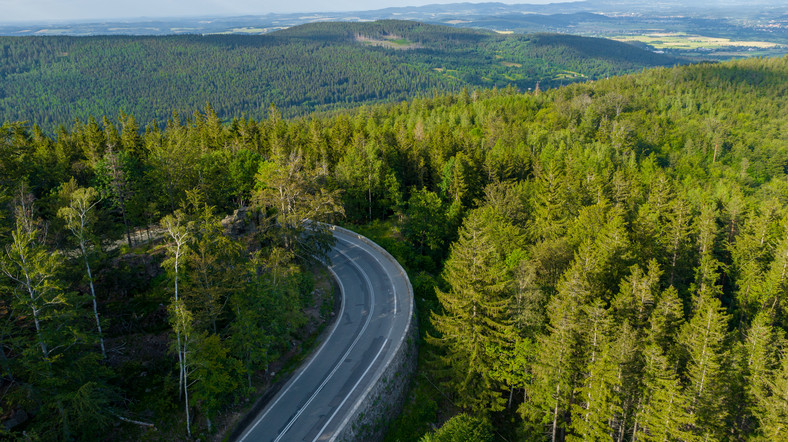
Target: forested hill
x=599, y=260
x=54, y=80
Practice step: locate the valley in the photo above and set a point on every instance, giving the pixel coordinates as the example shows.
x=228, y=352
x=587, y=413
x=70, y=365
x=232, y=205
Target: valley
x=320, y=67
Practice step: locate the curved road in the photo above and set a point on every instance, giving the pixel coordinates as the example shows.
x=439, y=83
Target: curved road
x=322, y=396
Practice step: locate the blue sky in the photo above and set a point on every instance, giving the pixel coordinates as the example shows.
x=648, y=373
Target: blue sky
x=56, y=10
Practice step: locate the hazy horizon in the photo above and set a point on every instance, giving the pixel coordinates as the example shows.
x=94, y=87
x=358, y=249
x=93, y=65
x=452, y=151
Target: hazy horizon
x=37, y=11
x=45, y=12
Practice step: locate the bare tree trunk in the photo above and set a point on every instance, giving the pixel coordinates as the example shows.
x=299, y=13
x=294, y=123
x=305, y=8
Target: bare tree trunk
x=369, y=196
x=93, y=295
x=179, y=236
x=555, y=413
x=132, y=421
x=34, y=309
x=186, y=392
x=182, y=374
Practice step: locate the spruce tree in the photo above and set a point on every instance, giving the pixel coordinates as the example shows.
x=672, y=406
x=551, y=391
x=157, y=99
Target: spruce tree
x=665, y=323
x=554, y=370
x=704, y=341
x=473, y=328
x=213, y=267
x=665, y=413
x=761, y=368
x=676, y=236
x=772, y=411
x=596, y=400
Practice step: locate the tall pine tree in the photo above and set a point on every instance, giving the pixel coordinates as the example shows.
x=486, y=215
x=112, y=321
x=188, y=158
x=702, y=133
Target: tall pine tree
x=474, y=330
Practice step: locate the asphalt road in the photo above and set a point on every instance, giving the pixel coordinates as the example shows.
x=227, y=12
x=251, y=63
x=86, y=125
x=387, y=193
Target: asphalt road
x=321, y=397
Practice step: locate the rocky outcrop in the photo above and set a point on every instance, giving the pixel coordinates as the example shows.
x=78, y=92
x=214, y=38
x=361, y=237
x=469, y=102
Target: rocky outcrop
x=129, y=273
x=241, y=223
x=17, y=418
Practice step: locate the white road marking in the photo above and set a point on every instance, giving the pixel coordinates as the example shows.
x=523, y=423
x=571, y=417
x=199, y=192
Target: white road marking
x=351, y=391
x=333, y=329
x=330, y=375
x=344, y=357
x=391, y=280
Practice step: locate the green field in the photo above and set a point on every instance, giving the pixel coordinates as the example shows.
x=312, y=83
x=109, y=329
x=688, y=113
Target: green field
x=687, y=44
x=681, y=40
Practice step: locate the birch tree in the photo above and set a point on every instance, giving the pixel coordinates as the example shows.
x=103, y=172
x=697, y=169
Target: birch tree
x=181, y=320
x=292, y=196
x=177, y=228
x=78, y=217
x=31, y=268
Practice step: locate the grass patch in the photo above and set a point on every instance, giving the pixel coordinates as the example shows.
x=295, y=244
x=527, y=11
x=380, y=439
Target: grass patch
x=250, y=30
x=569, y=75
x=683, y=41
x=388, y=41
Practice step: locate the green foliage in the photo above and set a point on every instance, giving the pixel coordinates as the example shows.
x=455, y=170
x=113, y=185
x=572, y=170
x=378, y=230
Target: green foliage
x=617, y=267
x=771, y=412
x=462, y=428
x=295, y=202
x=425, y=225
x=213, y=267
x=413, y=422
x=704, y=341
x=216, y=375
x=48, y=80
x=664, y=412
x=50, y=346
x=472, y=327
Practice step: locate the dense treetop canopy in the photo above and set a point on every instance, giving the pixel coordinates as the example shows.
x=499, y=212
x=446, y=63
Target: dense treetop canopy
x=51, y=81
x=597, y=260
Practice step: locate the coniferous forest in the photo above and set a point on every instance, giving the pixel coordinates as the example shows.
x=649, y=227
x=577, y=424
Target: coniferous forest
x=51, y=81
x=602, y=261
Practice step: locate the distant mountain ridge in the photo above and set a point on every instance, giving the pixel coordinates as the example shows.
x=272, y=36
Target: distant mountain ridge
x=561, y=17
